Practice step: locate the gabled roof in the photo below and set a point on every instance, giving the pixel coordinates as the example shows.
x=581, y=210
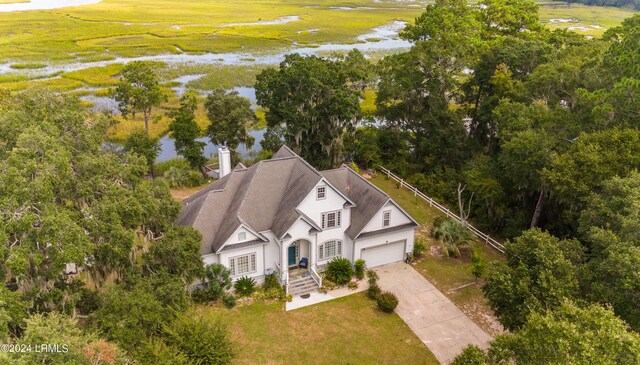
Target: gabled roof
x=367, y=197
x=266, y=196
x=263, y=197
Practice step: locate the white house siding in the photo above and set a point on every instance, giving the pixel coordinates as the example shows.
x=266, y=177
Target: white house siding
x=210, y=259
x=271, y=252
x=398, y=218
x=404, y=235
x=233, y=238
x=258, y=275
x=314, y=208
x=299, y=230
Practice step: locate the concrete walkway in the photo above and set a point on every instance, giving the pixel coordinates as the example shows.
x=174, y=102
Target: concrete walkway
x=317, y=297
x=439, y=324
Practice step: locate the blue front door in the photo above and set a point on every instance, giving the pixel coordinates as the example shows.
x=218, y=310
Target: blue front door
x=292, y=255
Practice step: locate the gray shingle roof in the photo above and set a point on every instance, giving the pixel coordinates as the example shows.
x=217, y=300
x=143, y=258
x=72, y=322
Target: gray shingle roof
x=387, y=230
x=367, y=197
x=264, y=196
x=240, y=245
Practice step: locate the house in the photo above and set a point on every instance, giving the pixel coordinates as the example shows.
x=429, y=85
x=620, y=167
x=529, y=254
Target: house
x=271, y=216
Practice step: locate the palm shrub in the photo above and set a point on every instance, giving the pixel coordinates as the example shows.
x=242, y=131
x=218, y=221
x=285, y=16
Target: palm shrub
x=245, y=286
x=387, y=301
x=217, y=280
x=359, y=267
x=339, y=270
x=453, y=235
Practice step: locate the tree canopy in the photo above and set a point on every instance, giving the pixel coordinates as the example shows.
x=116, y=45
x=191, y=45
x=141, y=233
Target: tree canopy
x=313, y=102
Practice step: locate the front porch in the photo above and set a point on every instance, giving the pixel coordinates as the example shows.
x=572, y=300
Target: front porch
x=298, y=275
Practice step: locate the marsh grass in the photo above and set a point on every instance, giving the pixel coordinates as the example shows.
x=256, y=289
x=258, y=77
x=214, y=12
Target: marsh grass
x=27, y=66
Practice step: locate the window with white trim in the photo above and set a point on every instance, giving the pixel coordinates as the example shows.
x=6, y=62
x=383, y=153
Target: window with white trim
x=321, y=192
x=330, y=249
x=241, y=265
x=386, y=218
x=242, y=236
x=331, y=219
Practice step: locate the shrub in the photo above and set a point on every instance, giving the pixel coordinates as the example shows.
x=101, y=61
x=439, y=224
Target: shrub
x=202, y=340
x=478, y=263
x=353, y=285
x=471, y=355
x=178, y=162
x=373, y=291
x=339, y=270
x=270, y=294
x=419, y=247
x=245, y=286
x=359, y=267
x=183, y=178
x=271, y=281
x=373, y=277
x=229, y=300
x=355, y=167
x=217, y=280
x=387, y=301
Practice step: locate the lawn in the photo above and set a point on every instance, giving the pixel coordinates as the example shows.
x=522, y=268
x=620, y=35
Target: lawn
x=452, y=276
x=348, y=330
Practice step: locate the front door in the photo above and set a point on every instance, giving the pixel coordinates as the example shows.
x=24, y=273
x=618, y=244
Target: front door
x=292, y=255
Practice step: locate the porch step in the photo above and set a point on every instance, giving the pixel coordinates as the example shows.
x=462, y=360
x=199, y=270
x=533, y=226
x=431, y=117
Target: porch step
x=302, y=286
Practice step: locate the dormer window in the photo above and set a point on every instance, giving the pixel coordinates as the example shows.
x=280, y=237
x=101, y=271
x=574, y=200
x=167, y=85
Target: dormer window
x=321, y=192
x=242, y=236
x=386, y=218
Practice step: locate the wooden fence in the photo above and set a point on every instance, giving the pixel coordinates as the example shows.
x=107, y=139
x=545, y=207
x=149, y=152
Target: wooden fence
x=403, y=184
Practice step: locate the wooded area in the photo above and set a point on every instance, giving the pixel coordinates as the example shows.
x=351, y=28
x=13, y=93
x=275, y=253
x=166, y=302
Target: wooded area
x=542, y=127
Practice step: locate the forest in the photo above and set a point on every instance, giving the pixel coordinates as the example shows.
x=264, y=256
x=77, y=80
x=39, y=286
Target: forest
x=542, y=128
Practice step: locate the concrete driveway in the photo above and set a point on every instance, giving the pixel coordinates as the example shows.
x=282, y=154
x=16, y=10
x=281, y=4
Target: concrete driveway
x=439, y=324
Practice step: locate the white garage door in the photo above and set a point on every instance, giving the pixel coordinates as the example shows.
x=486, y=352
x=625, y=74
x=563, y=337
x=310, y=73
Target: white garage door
x=383, y=254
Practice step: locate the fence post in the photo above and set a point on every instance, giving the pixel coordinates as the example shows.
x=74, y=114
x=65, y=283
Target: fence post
x=401, y=181
x=415, y=191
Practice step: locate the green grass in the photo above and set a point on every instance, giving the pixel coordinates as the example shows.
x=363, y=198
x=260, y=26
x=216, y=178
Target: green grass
x=129, y=28
x=594, y=19
x=446, y=273
x=27, y=66
x=349, y=330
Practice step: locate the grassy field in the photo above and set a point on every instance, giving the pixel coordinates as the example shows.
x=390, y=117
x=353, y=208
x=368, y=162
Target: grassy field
x=32, y=40
x=349, y=330
x=128, y=28
x=452, y=276
x=583, y=19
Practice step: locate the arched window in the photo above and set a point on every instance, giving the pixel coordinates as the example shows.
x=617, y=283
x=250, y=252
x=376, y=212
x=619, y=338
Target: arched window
x=330, y=249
